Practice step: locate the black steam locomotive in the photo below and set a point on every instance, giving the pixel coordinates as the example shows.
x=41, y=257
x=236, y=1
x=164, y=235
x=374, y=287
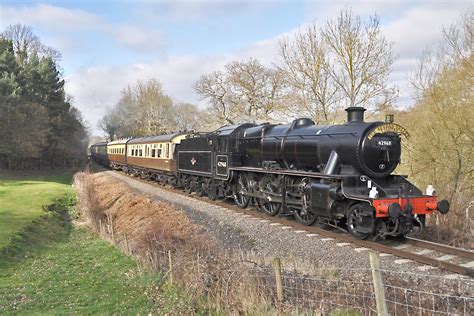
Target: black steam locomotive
x=337, y=174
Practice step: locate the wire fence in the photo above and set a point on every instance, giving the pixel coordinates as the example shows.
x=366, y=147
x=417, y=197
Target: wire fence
x=250, y=284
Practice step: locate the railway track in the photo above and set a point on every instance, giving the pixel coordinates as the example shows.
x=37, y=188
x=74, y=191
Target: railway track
x=455, y=260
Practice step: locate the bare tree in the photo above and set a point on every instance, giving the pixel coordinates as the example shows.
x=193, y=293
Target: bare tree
x=454, y=50
x=255, y=89
x=247, y=90
x=187, y=117
x=149, y=108
x=305, y=67
x=144, y=109
x=360, y=60
x=215, y=88
x=25, y=43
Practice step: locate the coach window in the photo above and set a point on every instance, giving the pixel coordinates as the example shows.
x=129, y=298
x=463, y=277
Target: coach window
x=167, y=150
x=159, y=153
x=153, y=152
x=141, y=153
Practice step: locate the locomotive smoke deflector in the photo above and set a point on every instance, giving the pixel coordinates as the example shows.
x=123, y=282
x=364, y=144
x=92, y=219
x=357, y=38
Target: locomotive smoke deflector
x=355, y=114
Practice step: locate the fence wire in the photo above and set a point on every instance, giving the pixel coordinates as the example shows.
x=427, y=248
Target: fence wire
x=249, y=285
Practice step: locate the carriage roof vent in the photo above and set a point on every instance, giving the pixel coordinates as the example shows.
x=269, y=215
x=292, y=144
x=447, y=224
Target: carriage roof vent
x=355, y=114
x=302, y=122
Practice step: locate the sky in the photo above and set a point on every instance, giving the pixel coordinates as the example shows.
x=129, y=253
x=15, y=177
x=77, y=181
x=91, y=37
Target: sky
x=107, y=45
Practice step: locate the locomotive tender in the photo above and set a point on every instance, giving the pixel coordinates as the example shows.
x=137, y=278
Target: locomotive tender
x=340, y=175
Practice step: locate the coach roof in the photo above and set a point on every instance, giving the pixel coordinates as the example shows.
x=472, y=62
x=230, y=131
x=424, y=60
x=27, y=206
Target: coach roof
x=155, y=139
x=121, y=141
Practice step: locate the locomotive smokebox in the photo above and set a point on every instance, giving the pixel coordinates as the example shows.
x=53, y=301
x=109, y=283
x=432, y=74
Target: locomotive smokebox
x=355, y=114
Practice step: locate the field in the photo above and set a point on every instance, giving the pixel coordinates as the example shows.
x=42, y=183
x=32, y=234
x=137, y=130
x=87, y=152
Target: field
x=22, y=199
x=50, y=266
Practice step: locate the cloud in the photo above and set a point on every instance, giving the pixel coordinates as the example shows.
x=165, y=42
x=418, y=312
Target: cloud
x=419, y=28
x=49, y=17
x=137, y=38
x=199, y=10
x=96, y=88
x=63, y=20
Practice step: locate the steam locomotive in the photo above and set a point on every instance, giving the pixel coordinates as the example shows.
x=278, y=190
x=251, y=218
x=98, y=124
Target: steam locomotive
x=340, y=175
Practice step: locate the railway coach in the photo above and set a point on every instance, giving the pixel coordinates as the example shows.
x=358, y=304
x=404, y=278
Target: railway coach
x=153, y=156
x=99, y=153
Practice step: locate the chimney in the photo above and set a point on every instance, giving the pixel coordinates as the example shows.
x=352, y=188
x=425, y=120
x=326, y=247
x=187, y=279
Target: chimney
x=355, y=114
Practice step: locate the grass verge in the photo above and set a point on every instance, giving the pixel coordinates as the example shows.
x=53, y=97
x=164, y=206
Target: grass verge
x=50, y=266
x=55, y=268
x=22, y=198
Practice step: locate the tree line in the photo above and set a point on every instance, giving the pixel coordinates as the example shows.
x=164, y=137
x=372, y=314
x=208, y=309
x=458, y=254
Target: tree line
x=38, y=125
x=144, y=109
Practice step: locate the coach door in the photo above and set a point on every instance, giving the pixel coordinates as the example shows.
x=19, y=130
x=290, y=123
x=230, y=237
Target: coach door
x=221, y=159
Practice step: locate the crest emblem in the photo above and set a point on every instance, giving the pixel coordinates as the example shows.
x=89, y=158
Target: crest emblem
x=193, y=161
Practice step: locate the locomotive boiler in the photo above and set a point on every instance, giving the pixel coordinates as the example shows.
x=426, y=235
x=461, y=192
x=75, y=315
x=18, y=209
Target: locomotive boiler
x=352, y=148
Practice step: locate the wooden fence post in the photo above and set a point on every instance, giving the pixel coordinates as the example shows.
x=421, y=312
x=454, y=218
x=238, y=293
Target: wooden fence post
x=170, y=263
x=218, y=293
x=378, y=284
x=127, y=246
x=278, y=282
x=111, y=223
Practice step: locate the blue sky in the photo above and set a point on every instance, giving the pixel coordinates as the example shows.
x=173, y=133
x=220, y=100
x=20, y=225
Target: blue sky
x=107, y=45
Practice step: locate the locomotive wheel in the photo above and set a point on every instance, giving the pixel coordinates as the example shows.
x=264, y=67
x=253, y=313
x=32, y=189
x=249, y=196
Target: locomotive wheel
x=269, y=184
x=271, y=208
x=240, y=198
x=201, y=187
x=354, y=221
x=305, y=217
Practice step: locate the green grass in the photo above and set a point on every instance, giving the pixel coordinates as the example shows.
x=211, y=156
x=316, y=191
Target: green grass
x=22, y=198
x=71, y=271
x=48, y=266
